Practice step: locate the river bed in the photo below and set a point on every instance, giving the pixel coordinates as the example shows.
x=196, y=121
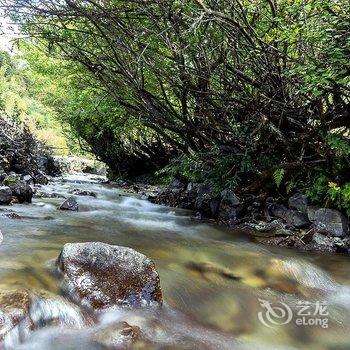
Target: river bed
x=220, y=290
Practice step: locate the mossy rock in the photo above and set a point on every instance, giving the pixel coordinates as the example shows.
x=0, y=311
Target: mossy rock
x=11, y=180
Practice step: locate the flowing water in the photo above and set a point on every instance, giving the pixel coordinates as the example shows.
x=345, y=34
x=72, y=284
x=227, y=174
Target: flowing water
x=221, y=291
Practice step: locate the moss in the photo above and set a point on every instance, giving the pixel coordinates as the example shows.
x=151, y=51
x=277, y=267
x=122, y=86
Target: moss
x=10, y=180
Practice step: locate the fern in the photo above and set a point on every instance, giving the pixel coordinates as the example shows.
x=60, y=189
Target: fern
x=290, y=185
x=278, y=176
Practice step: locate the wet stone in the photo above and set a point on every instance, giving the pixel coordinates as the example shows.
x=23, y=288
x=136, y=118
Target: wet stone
x=12, y=215
x=329, y=221
x=70, y=204
x=22, y=311
x=299, y=202
x=79, y=192
x=290, y=216
x=5, y=195
x=119, y=335
x=14, y=315
x=102, y=275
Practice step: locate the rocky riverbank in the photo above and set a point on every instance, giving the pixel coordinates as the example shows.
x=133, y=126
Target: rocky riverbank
x=292, y=222
x=76, y=164
x=24, y=162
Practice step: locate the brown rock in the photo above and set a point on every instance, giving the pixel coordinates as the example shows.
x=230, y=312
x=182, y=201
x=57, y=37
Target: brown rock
x=14, y=315
x=102, y=275
x=22, y=312
x=118, y=336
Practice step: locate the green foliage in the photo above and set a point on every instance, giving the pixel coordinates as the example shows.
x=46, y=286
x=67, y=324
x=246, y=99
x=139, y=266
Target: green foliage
x=333, y=191
x=323, y=24
x=339, y=144
x=17, y=100
x=325, y=192
x=278, y=176
x=345, y=197
x=339, y=195
x=318, y=189
x=86, y=112
x=199, y=170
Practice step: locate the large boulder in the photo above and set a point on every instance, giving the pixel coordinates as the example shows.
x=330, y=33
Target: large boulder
x=207, y=205
x=228, y=206
x=20, y=188
x=290, y=216
x=70, y=204
x=176, y=186
x=41, y=178
x=2, y=172
x=48, y=165
x=5, y=195
x=329, y=221
x=331, y=242
x=28, y=179
x=299, y=202
x=102, y=275
x=22, y=191
x=206, y=202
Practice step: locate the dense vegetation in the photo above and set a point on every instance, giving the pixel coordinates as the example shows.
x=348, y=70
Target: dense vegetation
x=19, y=103
x=246, y=94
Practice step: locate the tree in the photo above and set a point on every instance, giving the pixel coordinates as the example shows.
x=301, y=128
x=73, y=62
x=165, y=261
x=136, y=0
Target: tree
x=247, y=86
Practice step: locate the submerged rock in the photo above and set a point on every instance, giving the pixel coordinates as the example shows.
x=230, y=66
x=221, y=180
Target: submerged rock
x=102, y=275
x=206, y=268
x=120, y=335
x=328, y=221
x=42, y=194
x=22, y=311
x=79, y=192
x=14, y=316
x=5, y=195
x=70, y=204
x=135, y=329
x=12, y=215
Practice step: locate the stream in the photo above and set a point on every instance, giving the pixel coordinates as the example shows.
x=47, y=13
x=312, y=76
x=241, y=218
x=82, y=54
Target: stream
x=220, y=290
